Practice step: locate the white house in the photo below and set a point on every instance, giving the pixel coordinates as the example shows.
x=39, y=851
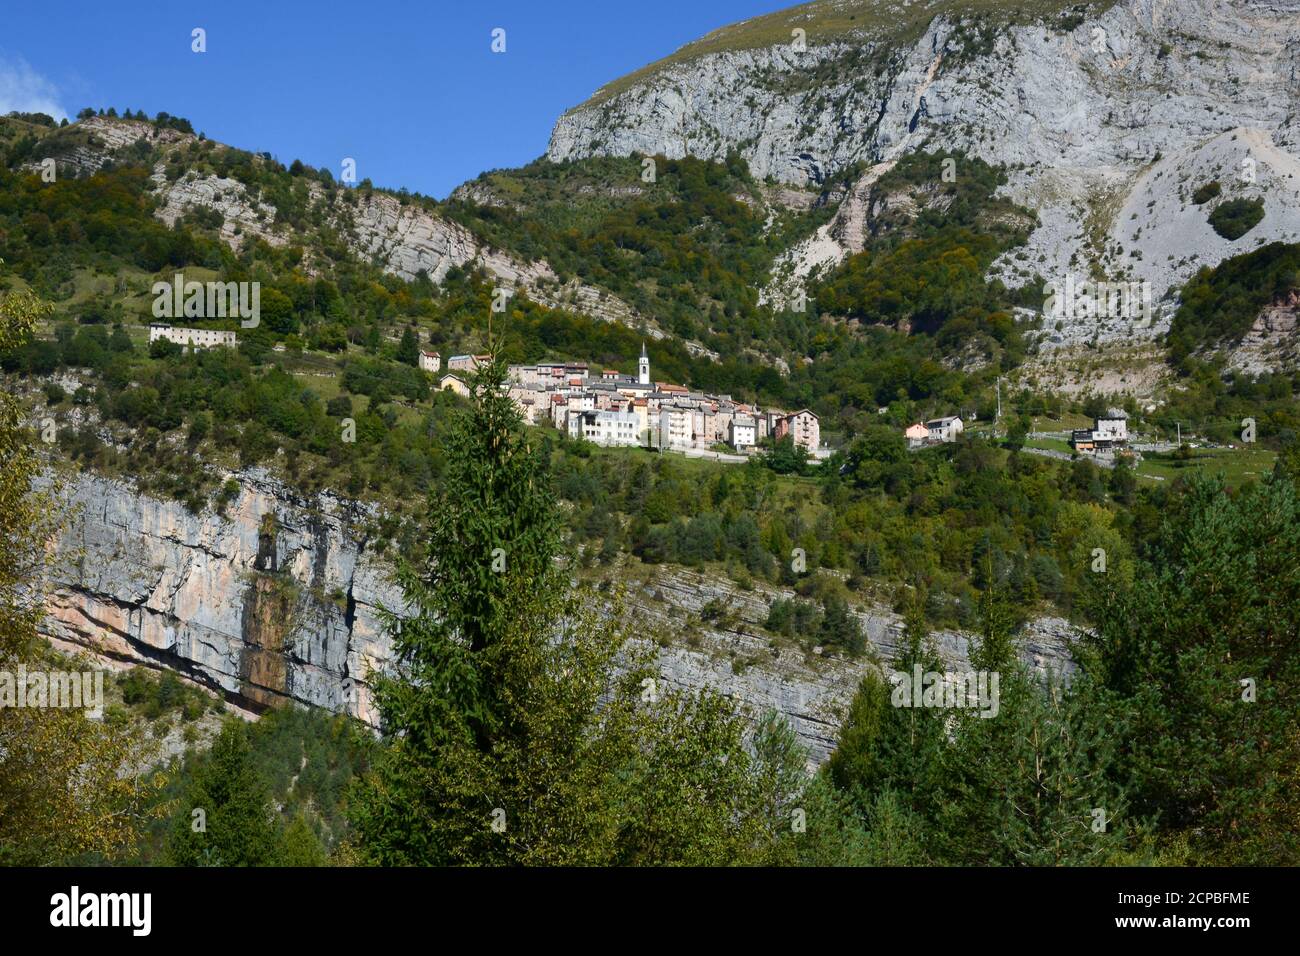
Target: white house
x=676, y=426
x=742, y=432
x=191, y=338
x=430, y=361
x=946, y=428
x=1113, y=427
x=605, y=428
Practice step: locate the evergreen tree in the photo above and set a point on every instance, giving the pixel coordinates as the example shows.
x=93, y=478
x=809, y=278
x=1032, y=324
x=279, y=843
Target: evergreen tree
x=889, y=749
x=1202, y=656
x=408, y=350
x=509, y=735
x=301, y=846
x=225, y=817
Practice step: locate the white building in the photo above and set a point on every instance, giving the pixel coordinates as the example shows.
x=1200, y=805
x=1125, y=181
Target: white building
x=946, y=428
x=676, y=426
x=466, y=363
x=1112, y=428
x=430, y=361
x=742, y=432
x=605, y=428
x=191, y=338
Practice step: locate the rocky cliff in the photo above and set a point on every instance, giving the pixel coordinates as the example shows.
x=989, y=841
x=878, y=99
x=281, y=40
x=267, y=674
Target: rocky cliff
x=1108, y=116
x=278, y=599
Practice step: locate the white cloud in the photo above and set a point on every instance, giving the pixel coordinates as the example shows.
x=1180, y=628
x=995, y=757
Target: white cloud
x=25, y=90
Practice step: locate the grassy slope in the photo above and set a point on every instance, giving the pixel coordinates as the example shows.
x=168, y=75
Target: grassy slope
x=825, y=21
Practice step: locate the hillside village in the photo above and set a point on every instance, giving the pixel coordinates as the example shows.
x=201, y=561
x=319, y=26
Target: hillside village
x=611, y=408
x=615, y=409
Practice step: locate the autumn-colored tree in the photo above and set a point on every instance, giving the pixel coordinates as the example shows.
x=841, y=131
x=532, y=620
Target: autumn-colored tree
x=63, y=794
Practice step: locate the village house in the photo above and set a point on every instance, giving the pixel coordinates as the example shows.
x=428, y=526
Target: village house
x=945, y=429
x=467, y=363
x=742, y=432
x=802, y=426
x=450, y=383
x=605, y=428
x=192, y=338
x=916, y=434
x=1108, y=432
x=430, y=361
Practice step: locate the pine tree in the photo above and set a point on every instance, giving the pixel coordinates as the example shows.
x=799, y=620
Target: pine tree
x=1201, y=655
x=301, y=846
x=408, y=349
x=225, y=817
x=509, y=737
x=889, y=749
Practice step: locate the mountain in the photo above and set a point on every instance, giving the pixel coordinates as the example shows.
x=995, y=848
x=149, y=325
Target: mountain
x=405, y=236
x=1107, y=116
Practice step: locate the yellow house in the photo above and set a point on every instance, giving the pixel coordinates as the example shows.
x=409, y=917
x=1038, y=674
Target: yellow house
x=452, y=383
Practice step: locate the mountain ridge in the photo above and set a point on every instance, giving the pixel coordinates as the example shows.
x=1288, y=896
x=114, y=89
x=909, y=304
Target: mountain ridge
x=1136, y=102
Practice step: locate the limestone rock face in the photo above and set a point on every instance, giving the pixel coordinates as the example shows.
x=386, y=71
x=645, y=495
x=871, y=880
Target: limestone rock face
x=275, y=600
x=278, y=600
x=243, y=216
x=1107, y=128
x=406, y=240
x=106, y=137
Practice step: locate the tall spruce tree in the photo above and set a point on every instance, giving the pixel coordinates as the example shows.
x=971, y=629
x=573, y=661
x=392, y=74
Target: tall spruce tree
x=408, y=349
x=225, y=817
x=509, y=734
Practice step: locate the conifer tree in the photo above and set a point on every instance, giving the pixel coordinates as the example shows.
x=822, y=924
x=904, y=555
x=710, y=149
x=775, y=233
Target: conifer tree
x=509, y=735
x=225, y=817
x=408, y=349
x=1202, y=656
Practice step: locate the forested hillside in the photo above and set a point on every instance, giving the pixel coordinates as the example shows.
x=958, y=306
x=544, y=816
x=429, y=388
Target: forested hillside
x=979, y=535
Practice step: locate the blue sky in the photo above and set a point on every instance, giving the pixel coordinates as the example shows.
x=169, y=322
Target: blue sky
x=411, y=90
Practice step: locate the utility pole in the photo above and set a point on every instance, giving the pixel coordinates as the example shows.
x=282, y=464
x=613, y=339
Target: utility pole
x=1179, y=425
x=997, y=420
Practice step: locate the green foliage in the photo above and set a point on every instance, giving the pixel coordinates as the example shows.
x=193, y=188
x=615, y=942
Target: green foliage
x=1175, y=741
x=225, y=817
x=1216, y=604
x=301, y=760
x=508, y=736
x=926, y=273
x=679, y=248
x=1236, y=217
x=1219, y=305
x=1207, y=192
x=786, y=458
x=154, y=695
